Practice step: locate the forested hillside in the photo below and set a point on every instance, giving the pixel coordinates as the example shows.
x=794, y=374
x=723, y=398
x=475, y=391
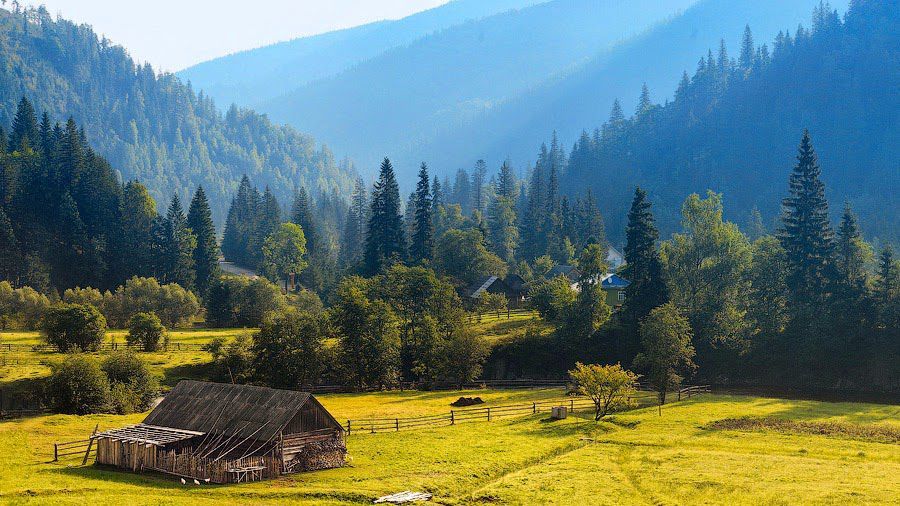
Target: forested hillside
x=150, y=126
x=582, y=97
x=733, y=121
x=251, y=77
x=407, y=95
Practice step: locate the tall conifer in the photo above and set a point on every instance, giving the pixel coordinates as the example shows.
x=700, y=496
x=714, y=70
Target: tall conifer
x=385, y=237
x=422, y=246
x=206, y=253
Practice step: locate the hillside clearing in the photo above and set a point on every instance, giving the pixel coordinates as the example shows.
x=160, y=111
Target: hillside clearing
x=632, y=458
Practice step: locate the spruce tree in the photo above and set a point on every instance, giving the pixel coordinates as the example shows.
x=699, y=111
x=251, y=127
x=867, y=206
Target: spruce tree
x=355, y=226
x=437, y=195
x=422, y=246
x=178, y=247
x=9, y=249
x=850, y=251
x=206, y=253
x=385, y=236
x=25, y=133
x=643, y=269
x=462, y=191
x=478, y=180
x=887, y=291
x=644, y=102
x=302, y=214
x=748, y=50
x=806, y=233
x=267, y=220
x=506, y=183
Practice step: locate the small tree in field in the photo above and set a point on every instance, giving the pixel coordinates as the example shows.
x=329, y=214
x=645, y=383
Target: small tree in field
x=146, y=330
x=78, y=386
x=72, y=327
x=609, y=386
x=284, y=252
x=666, y=336
x=489, y=302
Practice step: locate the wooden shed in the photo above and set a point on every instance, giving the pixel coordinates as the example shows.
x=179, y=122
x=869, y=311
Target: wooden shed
x=222, y=433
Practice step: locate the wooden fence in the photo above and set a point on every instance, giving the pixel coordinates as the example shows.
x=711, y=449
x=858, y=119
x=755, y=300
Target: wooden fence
x=49, y=348
x=503, y=314
x=487, y=413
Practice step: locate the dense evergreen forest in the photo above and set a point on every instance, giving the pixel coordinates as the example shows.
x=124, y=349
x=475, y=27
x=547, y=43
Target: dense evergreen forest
x=150, y=126
x=732, y=122
x=66, y=221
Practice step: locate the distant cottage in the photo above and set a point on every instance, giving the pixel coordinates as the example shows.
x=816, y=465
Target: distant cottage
x=513, y=288
x=223, y=433
x=613, y=284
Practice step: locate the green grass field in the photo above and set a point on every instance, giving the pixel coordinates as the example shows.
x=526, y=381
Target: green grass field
x=637, y=457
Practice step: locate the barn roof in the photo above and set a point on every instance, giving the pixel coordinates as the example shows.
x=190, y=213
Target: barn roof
x=243, y=410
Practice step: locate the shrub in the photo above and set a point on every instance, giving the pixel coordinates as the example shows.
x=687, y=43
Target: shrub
x=133, y=387
x=236, y=301
x=232, y=360
x=174, y=305
x=551, y=298
x=145, y=330
x=289, y=350
x=21, y=308
x=74, y=327
x=78, y=386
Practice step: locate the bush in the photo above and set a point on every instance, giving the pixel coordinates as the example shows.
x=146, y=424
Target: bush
x=174, y=305
x=21, y=308
x=72, y=327
x=146, y=330
x=133, y=387
x=551, y=298
x=78, y=386
x=237, y=301
x=233, y=360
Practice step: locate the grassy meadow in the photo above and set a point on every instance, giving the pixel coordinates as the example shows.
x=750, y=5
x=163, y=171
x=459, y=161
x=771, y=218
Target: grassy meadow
x=638, y=457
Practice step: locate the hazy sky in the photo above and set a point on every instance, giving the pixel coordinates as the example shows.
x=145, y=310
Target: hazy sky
x=174, y=34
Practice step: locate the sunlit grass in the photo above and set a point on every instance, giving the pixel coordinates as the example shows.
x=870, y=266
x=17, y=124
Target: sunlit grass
x=668, y=459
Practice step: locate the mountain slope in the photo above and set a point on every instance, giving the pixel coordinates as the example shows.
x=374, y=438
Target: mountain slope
x=255, y=76
x=408, y=95
x=152, y=127
x=583, y=98
x=735, y=129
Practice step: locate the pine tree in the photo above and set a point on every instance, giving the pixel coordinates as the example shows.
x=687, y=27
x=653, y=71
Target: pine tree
x=268, y=219
x=806, y=233
x=643, y=269
x=850, y=261
x=422, y=246
x=206, y=254
x=355, y=227
x=302, y=214
x=25, y=134
x=644, y=102
x=506, y=183
x=462, y=193
x=9, y=249
x=385, y=237
x=437, y=195
x=478, y=180
x=887, y=291
x=138, y=212
x=178, y=247
x=748, y=50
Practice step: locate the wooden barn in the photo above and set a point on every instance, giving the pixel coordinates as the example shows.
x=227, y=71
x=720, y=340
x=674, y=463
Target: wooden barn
x=221, y=433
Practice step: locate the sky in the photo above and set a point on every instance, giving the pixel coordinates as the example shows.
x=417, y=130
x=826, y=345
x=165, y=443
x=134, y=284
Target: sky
x=174, y=34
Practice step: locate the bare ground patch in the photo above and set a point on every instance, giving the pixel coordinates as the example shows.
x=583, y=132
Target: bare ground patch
x=871, y=432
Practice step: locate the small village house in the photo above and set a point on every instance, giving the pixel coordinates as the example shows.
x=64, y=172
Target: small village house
x=612, y=284
x=513, y=288
x=223, y=433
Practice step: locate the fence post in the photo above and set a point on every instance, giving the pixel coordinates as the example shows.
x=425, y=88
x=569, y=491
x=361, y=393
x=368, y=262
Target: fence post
x=452, y=418
x=55, y=452
x=397, y=423
x=679, y=394
x=534, y=407
x=489, y=414
x=348, y=427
